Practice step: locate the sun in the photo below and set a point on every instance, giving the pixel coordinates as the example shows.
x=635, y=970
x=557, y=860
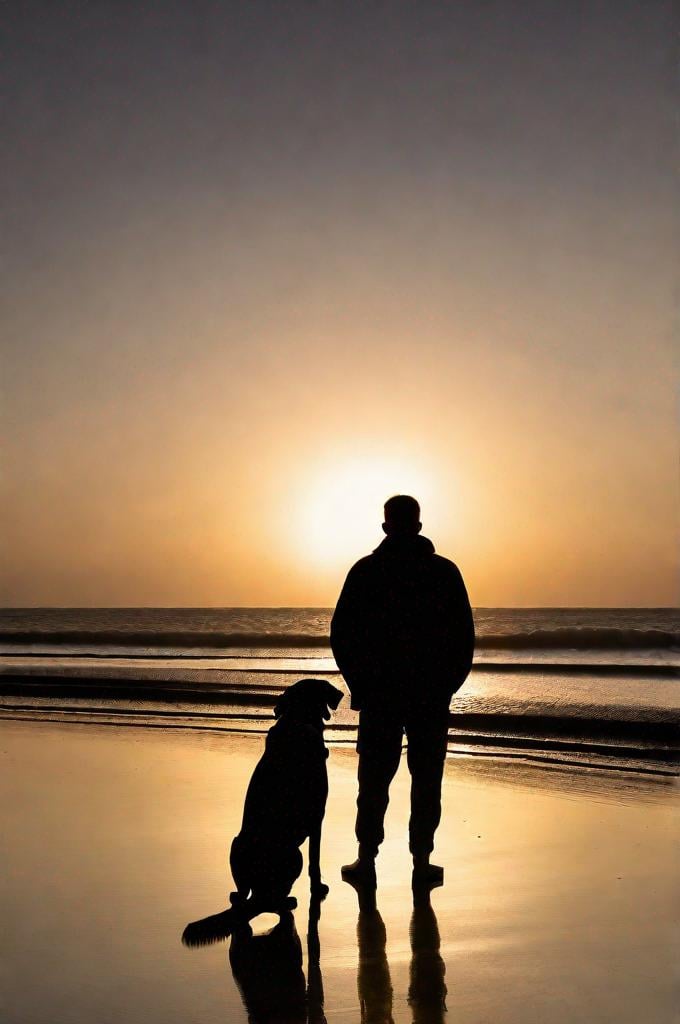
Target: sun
x=341, y=508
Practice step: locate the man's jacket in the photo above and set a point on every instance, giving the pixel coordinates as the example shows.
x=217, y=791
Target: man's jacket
x=402, y=631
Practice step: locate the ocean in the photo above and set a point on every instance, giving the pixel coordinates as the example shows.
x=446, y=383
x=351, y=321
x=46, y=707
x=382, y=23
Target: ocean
x=598, y=688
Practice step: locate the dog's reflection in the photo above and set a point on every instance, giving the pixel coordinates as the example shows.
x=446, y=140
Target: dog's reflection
x=427, y=988
x=268, y=968
x=268, y=971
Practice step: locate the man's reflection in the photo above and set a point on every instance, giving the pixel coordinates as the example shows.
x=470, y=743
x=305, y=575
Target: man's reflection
x=373, y=978
x=427, y=989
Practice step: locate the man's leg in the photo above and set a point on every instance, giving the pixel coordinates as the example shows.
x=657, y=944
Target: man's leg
x=379, y=748
x=427, y=732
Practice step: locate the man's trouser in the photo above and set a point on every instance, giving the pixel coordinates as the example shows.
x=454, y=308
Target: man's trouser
x=379, y=744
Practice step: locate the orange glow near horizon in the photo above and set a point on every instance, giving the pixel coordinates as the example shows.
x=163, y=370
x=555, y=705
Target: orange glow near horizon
x=297, y=263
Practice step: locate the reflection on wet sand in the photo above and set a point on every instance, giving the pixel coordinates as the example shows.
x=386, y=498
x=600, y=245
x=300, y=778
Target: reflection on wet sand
x=315, y=997
x=427, y=989
x=373, y=976
x=558, y=908
x=268, y=968
x=268, y=972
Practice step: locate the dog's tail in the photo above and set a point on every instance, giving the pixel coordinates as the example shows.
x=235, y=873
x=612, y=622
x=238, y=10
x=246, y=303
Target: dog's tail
x=220, y=926
x=210, y=929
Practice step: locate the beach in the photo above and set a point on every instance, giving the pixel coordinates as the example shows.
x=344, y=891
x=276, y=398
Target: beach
x=340, y=381
x=560, y=900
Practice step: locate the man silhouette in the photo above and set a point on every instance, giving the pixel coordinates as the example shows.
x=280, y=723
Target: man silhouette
x=403, y=637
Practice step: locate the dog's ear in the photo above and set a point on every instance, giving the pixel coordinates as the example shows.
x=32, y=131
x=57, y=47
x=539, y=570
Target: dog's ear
x=282, y=704
x=333, y=696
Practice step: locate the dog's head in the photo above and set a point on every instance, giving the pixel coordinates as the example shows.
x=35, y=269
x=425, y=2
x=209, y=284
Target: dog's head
x=309, y=699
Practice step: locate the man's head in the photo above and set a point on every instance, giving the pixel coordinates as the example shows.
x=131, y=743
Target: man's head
x=402, y=516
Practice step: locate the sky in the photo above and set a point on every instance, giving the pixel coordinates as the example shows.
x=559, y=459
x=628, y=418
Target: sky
x=265, y=264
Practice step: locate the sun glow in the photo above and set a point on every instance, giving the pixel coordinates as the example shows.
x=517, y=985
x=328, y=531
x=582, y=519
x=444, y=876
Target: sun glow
x=341, y=513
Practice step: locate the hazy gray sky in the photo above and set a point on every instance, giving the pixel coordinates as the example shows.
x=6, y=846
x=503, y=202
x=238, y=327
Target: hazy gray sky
x=262, y=262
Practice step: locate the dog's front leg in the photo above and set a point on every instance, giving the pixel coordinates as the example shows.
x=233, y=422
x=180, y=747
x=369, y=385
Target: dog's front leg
x=317, y=887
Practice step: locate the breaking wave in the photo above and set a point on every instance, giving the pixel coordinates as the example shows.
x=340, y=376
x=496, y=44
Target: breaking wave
x=583, y=638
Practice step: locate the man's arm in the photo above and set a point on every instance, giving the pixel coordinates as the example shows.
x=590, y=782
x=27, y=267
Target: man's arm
x=464, y=627
x=347, y=631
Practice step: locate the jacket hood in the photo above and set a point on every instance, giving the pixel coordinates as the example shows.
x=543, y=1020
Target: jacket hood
x=405, y=546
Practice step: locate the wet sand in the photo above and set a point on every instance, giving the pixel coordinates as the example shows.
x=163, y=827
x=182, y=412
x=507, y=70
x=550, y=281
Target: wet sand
x=560, y=904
